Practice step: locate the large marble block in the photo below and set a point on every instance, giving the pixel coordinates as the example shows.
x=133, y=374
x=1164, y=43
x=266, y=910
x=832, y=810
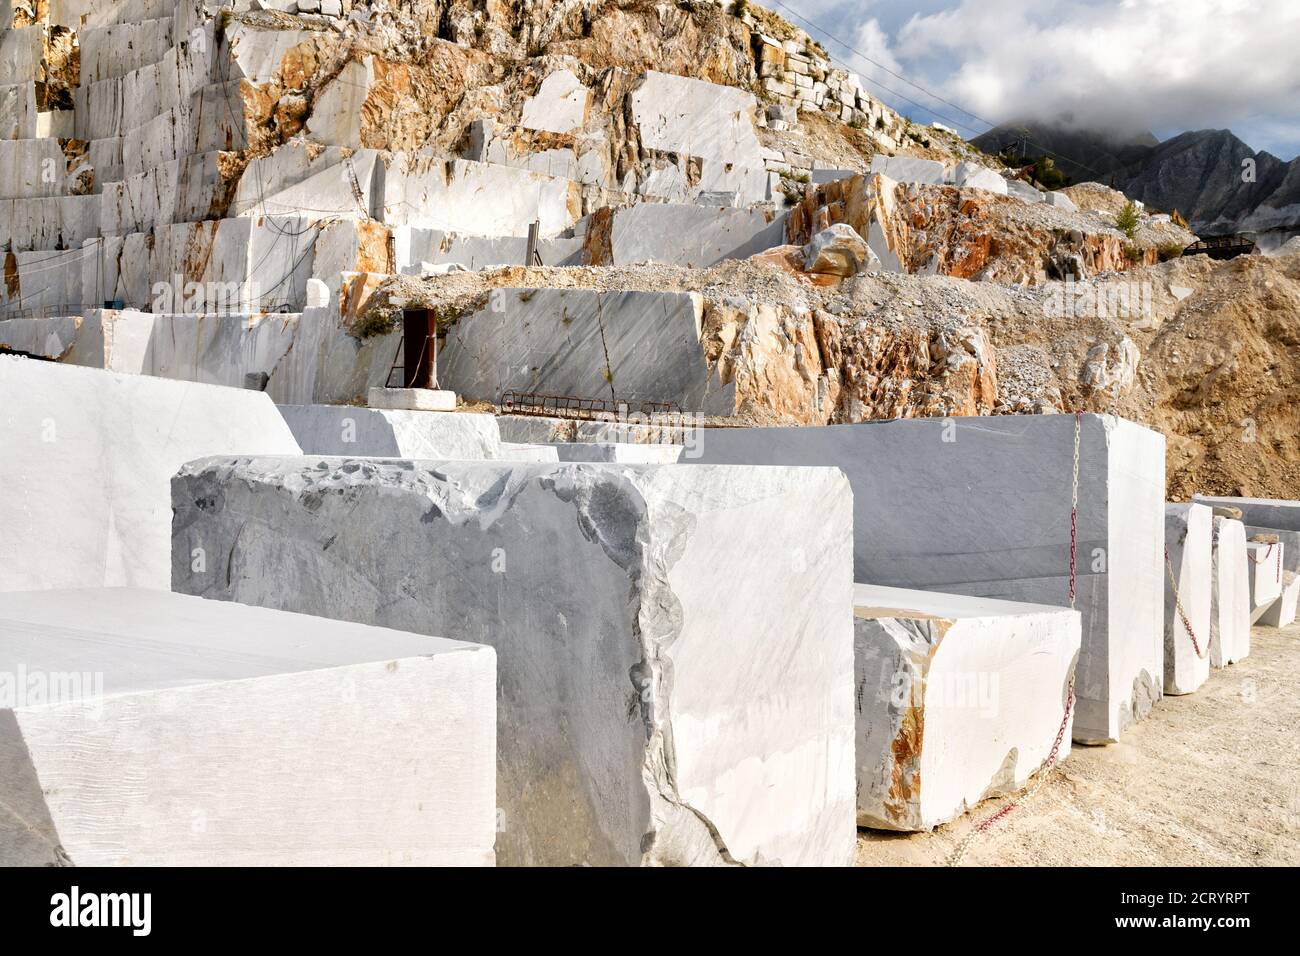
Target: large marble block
x=674, y=644
x=1189, y=530
x=630, y=347
x=1264, y=565
x=1277, y=513
x=153, y=729
x=683, y=235
x=677, y=114
x=981, y=506
x=1230, y=595
x=958, y=699
x=1290, y=541
x=87, y=462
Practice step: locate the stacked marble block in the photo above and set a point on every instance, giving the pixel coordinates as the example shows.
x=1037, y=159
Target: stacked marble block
x=155, y=729
x=653, y=707
x=1280, y=517
x=958, y=699
x=981, y=506
x=1264, y=564
x=1189, y=533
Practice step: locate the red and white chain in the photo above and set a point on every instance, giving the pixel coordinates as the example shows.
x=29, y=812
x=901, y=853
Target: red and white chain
x=1044, y=772
x=1178, y=603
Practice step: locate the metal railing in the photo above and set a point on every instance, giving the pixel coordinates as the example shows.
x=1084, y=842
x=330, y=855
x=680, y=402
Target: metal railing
x=575, y=406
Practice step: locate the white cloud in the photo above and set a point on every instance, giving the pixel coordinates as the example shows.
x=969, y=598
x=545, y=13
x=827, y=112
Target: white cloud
x=1121, y=64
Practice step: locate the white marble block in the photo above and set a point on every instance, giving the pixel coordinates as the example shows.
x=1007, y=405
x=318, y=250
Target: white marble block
x=384, y=433
x=958, y=699
x=144, y=728
x=626, y=453
x=1276, y=513
x=981, y=506
x=1189, y=530
x=1264, y=564
x=674, y=644
x=1282, y=612
x=1230, y=595
x=86, y=463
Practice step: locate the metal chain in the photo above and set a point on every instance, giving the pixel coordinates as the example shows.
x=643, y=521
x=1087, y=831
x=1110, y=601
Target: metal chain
x=1044, y=772
x=1074, y=508
x=1178, y=602
x=1278, y=575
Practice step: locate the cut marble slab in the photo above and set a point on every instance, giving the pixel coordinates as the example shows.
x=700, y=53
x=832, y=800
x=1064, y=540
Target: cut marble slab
x=1264, y=564
x=981, y=506
x=391, y=433
x=1282, y=612
x=1230, y=596
x=1189, y=530
x=144, y=728
x=908, y=169
x=674, y=644
x=87, y=461
x=1271, y=513
x=958, y=699
x=627, y=453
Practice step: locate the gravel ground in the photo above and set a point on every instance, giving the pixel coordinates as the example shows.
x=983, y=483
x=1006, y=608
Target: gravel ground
x=1209, y=779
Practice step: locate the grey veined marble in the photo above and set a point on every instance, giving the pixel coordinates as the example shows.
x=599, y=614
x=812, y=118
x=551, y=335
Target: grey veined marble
x=675, y=645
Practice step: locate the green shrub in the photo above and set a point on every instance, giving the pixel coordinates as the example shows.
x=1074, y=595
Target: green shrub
x=378, y=322
x=1170, y=250
x=1127, y=220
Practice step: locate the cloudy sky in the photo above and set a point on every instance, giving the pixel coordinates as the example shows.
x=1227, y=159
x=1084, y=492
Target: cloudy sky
x=1159, y=65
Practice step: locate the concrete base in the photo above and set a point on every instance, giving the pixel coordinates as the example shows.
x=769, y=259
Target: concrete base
x=144, y=728
x=958, y=699
x=674, y=644
x=1189, y=532
x=412, y=399
x=1230, y=594
x=1282, y=612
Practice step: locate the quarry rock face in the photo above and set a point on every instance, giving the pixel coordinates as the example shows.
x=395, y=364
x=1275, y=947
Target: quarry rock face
x=155, y=729
x=1189, y=590
x=106, y=446
x=958, y=699
x=653, y=707
x=630, y=347
x=1230, y=597
x=981, y=506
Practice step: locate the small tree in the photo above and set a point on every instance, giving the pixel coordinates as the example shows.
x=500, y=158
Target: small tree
x=1127, y=220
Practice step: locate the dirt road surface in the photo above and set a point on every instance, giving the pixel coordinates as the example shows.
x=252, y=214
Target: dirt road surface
x=1211, y=778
